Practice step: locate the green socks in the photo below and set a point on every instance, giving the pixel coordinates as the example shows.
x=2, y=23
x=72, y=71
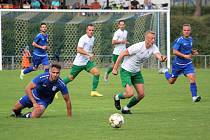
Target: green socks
x=132, y=102
x=109, y=70
x=95, y=82
x=66, y=80
x=120, y=96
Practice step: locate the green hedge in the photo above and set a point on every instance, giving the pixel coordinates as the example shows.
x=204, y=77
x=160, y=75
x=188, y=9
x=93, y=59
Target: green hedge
x=200, y=28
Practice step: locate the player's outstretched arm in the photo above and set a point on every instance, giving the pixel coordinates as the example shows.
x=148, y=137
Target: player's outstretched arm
x=160, y=57
x=67, y=100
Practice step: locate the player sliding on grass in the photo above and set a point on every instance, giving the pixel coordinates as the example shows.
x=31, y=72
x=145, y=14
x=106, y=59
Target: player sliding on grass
x=130, y=73
x=83, y=60
x=39, y=53
x=40, y=93
x=182, y=64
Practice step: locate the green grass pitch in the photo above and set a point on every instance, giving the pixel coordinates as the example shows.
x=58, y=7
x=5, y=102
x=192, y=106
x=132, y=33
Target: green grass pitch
x=166, y=113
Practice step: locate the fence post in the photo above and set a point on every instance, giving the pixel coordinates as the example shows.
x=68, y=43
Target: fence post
x=205, y=61
x=13, y=67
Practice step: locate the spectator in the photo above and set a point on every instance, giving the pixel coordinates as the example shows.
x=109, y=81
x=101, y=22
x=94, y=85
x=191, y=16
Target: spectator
x=134, y=4
x=35, y=4
x=148, y=4
x=76, y=5
x=55, y=4
x=126, y=4
x=95, y=5
x=26, y=4
x=25, y=58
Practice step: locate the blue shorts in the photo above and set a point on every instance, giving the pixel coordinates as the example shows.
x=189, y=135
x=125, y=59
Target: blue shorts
x=182, y=69
x=37, y=60
x=26, y=102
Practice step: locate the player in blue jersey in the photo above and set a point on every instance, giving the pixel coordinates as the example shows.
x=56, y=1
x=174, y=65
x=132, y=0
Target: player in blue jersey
x=40, y=93
x=39, y=53
x=182, y=63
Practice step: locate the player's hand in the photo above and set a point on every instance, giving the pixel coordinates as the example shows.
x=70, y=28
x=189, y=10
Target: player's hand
x=114, y=71
x=91, y=56
x=44, y=47
x=194, y=52
x=188, y=56
x=163, y=58
x=126, y=42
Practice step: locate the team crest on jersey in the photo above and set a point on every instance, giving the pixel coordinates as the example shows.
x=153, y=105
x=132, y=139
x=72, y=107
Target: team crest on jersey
x=54, y=88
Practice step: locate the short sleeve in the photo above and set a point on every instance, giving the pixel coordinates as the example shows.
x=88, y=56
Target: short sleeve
x=64, y=90
x=37, y=38
x=177, y=44
x=115, y=37
x=81, y=42
x=36, y=80
x=133, y=49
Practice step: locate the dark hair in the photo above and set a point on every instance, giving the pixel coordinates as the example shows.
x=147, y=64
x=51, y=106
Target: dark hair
x=43, y=23
x=121, y=21
x=56, y=65
x=90, y=25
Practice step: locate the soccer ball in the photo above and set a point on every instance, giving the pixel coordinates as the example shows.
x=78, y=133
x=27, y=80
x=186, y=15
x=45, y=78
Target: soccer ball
x=116, y=120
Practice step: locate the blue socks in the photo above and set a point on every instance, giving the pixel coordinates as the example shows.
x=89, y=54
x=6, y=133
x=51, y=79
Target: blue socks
x=30, y=69
x=46, y=70
x=167, y=75
x=193, y=89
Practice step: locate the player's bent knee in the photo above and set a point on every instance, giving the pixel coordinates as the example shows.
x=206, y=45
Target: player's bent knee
x=171, y=82
x=71, y=77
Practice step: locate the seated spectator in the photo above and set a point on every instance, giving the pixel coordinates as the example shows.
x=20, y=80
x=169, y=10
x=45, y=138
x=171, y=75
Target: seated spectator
x=35, y=4
x=26, y=4
x=119, y=4
x=148, y=4
x=55, y=4
x=76, y=5
x=95, y=5
x=134, y=4
x=44, y=4
x=126, y=4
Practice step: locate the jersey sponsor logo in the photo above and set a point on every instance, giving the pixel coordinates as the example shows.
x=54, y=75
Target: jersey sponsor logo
x=54, y=88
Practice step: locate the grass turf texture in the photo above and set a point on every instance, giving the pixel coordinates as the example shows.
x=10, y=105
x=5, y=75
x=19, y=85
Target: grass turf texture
x=166, y=113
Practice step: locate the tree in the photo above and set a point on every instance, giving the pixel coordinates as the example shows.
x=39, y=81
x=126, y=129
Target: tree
x=198, y=8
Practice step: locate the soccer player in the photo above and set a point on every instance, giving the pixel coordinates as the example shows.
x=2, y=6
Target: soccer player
x=83, y=60
x=182, y=63
x=119, y=41
x=130, y=73
x=40, y=93
x=39, y=54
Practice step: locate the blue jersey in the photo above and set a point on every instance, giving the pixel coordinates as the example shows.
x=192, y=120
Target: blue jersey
x=41, y=40
x=183, y=45
x=46, y=89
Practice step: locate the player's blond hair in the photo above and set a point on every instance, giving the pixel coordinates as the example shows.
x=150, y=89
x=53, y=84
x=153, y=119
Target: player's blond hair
x=149, y=32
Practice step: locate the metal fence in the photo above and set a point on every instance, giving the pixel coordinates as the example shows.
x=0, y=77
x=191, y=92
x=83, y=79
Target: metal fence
x=9, y=63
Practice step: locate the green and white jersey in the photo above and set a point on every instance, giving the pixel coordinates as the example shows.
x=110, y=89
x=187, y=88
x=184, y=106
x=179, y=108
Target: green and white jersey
x=119, y=35
x=87, y=44
x=138, y=54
